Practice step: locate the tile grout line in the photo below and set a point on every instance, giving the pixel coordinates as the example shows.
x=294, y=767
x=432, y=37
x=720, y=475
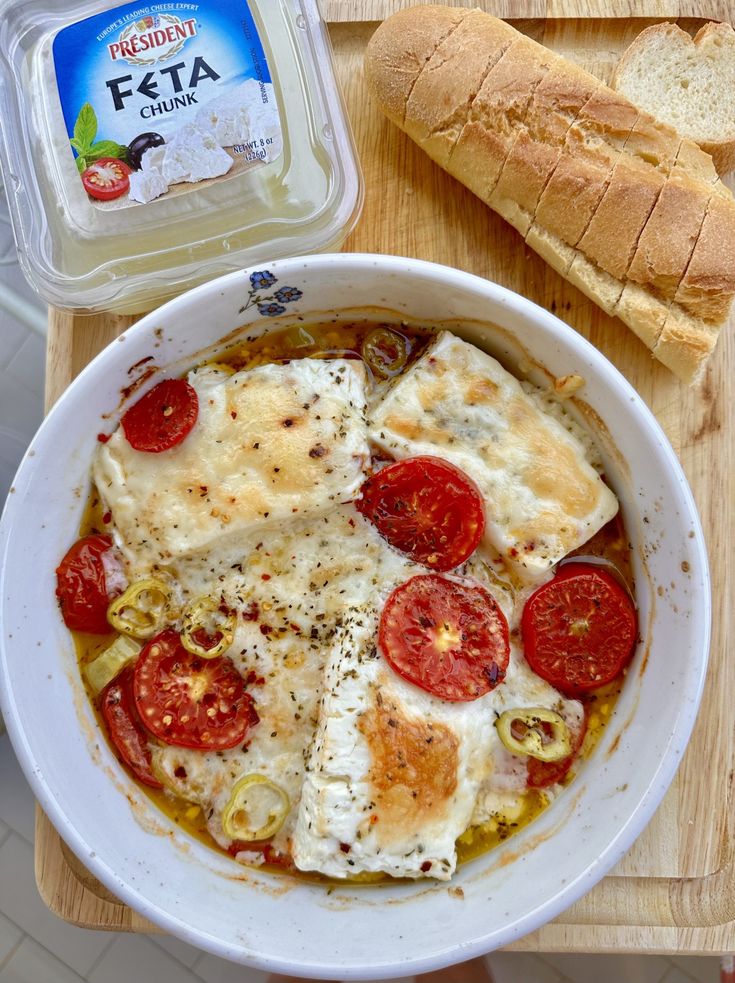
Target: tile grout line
x=196, y=962
x=102, y=955
x=683, y=971
x=5, y=836
x=4, y=962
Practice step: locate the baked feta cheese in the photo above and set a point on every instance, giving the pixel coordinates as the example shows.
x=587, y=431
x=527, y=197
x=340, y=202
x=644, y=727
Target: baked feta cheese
x=289, y=593
x=270, y=444
x=542, y=496
x=396, y=774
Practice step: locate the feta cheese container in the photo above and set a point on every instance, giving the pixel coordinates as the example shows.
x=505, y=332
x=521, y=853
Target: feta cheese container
x=148, y=147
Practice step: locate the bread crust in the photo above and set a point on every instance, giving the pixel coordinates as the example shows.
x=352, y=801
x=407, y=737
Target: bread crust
x=439, y=102
x=571, y=197
x=400, y=49
x=557, y=101
x=612, y=236
x=661, y=259
x=643, y=313
x=497, y=114
x=685, y=344
x=707, y=285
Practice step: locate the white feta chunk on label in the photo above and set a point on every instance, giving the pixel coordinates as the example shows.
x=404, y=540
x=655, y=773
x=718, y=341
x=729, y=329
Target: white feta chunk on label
x=193, y=154
x=241, y=116
x=147, y=185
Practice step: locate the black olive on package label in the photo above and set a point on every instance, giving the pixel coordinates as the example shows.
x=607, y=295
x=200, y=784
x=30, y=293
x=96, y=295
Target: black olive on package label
x=138, y=146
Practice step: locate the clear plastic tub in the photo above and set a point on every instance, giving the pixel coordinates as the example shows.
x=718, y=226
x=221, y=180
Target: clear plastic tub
x=148, y=147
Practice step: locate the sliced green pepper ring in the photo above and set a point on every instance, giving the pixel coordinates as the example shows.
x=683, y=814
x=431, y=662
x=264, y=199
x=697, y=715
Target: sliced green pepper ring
x=207, y=627
x=385, y=351
x=111, y=662
x=257, y=809
x=534, y=731
x=142, y=610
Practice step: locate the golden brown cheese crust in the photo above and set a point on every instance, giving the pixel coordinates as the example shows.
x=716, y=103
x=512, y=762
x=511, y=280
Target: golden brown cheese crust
x=269, y=444
x=413, y=768
x=542, y=497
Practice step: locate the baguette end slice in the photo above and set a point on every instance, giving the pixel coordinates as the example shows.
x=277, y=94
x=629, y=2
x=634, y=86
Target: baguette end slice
x=688, y=83
x=399, y=50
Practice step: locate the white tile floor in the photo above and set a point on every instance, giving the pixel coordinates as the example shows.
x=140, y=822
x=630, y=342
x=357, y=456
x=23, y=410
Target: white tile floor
x=35, y=946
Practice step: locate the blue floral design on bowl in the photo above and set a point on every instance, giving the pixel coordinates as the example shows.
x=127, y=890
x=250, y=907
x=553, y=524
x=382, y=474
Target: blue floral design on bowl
x=262, y=280
x=271, y=310
x=269, y=305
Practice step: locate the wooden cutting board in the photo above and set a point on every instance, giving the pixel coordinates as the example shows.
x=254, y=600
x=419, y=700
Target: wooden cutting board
x=675, y=890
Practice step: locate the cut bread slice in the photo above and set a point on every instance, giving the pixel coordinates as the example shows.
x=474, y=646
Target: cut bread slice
x=440, y=100
x=684, y=344
x=555, y=106
x=676, y=339
x=706, y=287
x=688, y=83
x=571, y=197
x=661, y=258
x=612, y=236
x=496, y=116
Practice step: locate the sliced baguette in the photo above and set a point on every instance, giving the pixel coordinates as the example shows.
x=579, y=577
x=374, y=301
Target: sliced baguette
x=594, y=185
x=496, y=115
x=612, y=236
x=661, y=260
x=457, y=68
x=400, y=50
x=688, y=83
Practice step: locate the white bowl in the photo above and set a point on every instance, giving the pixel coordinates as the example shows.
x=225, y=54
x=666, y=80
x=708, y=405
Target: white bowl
x=279, y=923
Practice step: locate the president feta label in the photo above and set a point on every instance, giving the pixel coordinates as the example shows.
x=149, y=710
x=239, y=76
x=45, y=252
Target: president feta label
x=157, y=99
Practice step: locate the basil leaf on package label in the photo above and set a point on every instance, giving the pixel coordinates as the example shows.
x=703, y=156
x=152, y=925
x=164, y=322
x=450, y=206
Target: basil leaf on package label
x=81, y=164
x=85, y=128
x=106, y=148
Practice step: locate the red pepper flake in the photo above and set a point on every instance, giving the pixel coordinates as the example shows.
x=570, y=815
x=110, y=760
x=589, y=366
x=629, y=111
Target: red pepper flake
x=103, y=437
x=295, y=628
x=265, y=576
x=345, y=847
x=251, y=612
x=253, y=679
x=265, y=629
x=351, y=522
x=513, y=551
x=426, y=866
x=233, y=414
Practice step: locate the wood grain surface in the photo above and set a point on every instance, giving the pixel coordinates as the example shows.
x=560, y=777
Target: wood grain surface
x=675, y=890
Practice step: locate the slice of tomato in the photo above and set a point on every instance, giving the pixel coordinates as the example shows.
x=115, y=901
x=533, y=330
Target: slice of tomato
x=117, y=705
x=450, y=639
x=427, y=509
x=189, y=701
x=541, y=774
x=107, y=178
x=579, y=630
x=81, y=585
x=162, y=418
